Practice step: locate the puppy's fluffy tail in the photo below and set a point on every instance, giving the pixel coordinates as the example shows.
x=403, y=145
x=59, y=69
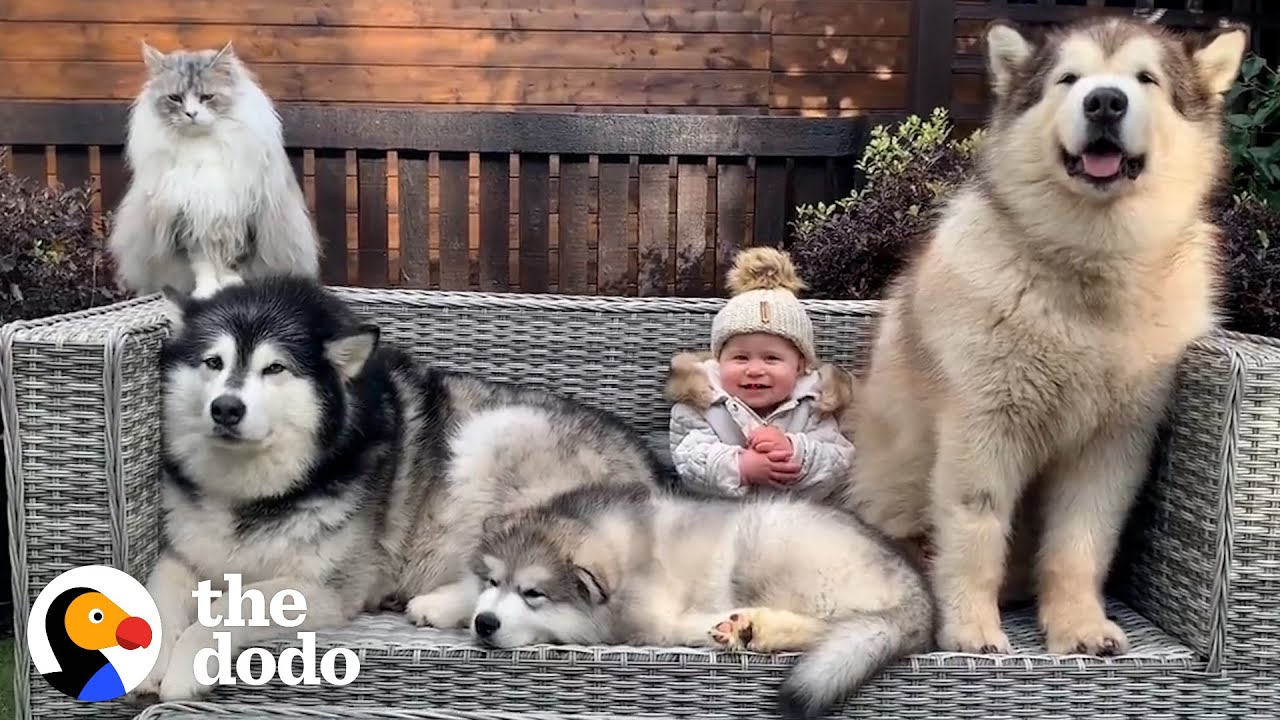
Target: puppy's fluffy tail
x=855, y=650
x=763, y=268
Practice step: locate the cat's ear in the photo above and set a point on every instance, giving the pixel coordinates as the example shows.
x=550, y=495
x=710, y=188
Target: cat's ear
x=152, y=57
x=226, y=54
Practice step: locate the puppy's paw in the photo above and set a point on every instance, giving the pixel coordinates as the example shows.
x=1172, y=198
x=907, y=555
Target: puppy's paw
x=737, y=632
x=440, y=609
x=180, y=684
x=1084, y=635
x=973, y=636
x=146, y=690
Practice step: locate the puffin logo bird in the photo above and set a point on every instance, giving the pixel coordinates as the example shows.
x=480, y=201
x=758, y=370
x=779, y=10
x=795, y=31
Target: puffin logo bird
x=80, y=624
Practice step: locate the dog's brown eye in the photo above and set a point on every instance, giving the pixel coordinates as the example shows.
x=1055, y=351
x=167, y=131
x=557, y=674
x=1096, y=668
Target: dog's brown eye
x=533, y=594
x=1147, y=78
x=274, y=368
x=213, y=363
x=1068, y=79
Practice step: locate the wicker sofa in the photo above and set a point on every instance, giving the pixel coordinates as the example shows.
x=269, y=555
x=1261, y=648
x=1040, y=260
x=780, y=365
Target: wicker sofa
x=1197, y=587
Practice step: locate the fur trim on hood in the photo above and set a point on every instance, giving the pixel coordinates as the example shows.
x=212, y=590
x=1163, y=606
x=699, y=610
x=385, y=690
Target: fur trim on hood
x=687, y=382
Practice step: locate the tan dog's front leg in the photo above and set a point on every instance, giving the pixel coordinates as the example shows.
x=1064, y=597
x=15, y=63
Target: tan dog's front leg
x=979, y=475
x=1086, y=499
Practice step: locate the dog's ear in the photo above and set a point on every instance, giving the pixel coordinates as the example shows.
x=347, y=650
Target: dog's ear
x=351, y=350
x=1217, y=56
x=592, y=585
x=1008, y=50
x=493, y=524
x=596, y=570
x=174, y=306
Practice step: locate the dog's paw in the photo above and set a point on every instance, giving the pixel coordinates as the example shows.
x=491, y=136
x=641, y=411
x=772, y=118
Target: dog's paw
x=439, y=609
x=736, y=632
x=973, y=637
x=150, y=686
x=180, y=684
x=1085, y=636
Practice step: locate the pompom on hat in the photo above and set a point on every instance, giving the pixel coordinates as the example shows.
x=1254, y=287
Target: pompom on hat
x=763, y=284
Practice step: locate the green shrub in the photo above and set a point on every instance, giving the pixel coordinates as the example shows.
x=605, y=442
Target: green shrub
x=52, y=253
x=851, y=248
x=1250, y=251
x=1253, y=131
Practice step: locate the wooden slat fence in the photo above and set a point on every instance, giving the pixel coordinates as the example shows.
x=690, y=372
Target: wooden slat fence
x=536, y=202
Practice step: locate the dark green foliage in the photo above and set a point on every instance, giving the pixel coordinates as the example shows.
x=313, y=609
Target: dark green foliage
x=1253, y=131
x=852, y=248
x=1250, y=264
x=51, y=259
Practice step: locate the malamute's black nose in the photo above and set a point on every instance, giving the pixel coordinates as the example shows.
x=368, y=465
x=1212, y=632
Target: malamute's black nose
x=227, y=410
x=1105, y=105
x=487, y=624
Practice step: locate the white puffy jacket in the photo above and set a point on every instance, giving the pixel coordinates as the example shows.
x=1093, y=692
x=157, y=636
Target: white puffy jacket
x=709, y=428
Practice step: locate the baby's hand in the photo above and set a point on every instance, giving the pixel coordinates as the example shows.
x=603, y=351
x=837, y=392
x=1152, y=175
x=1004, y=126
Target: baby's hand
x=770, y=441
x=784, y=473
x=754, y=468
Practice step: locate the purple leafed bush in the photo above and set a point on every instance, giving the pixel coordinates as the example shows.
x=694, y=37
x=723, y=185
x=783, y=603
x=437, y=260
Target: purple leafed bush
x=1250, y=265
x=51, y=259
x=852, y=248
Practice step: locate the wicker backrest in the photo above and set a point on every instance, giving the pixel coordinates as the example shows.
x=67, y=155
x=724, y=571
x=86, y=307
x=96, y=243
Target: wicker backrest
x=612, y=352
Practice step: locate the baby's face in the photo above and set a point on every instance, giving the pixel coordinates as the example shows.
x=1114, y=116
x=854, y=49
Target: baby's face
x=760, y=369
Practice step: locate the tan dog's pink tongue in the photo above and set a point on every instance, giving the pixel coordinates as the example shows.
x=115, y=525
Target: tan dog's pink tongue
x=1101, y=166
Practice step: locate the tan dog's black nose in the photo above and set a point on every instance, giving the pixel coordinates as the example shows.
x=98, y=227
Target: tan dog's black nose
x=1105, y=105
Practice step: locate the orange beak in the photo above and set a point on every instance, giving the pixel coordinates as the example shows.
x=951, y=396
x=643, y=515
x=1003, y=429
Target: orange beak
x=133, y=632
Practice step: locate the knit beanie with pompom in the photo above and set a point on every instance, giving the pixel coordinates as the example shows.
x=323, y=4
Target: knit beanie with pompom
x=763, y=284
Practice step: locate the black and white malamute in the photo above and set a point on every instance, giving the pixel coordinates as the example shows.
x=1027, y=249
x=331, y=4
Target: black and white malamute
x=302, y=452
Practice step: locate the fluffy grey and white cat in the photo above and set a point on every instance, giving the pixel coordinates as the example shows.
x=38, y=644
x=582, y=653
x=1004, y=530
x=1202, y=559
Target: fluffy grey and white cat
x=213, y=198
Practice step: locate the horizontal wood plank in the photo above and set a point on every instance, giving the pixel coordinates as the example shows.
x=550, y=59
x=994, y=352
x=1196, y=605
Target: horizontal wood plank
x=409, y=84
x=258, y=45
x=840, y=90
x=967, y=13
x=675, y=16
x=363, y=127
x=842, y=17
x=808, y=53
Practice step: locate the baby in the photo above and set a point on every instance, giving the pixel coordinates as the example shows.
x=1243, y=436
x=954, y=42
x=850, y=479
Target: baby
x=759, y=411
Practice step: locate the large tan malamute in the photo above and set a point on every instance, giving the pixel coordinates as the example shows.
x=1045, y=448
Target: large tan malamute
x=1031, y=343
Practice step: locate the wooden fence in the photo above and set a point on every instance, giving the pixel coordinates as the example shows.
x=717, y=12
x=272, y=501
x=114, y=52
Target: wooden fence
x=947, y=67
x=556, y=202
x=576, y=202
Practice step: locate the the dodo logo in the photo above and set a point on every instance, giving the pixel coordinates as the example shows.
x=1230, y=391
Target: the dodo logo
x=94, y=633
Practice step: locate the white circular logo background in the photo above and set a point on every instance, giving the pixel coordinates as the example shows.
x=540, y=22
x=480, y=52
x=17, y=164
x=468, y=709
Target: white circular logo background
x=122, y=589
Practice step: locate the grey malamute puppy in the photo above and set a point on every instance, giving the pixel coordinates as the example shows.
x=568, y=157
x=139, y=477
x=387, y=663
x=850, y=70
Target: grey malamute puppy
x=625, y=564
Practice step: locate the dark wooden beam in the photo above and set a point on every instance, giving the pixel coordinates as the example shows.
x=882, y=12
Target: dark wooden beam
x=1066, y=13
x=933, y=50
x=379, y=128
